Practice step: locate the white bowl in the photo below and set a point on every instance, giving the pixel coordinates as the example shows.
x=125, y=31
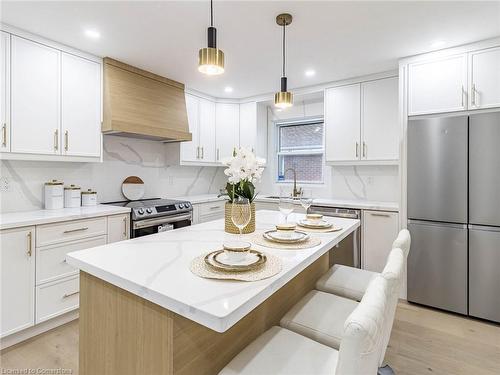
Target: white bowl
x=236, y=251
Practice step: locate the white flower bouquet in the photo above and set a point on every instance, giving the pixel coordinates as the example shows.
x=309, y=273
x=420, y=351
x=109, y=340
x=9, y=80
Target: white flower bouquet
x=243, y=170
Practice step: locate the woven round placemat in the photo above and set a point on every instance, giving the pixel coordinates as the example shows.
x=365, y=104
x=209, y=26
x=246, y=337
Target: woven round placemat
x=318, y=230
x=259, y=239
x=270, y=268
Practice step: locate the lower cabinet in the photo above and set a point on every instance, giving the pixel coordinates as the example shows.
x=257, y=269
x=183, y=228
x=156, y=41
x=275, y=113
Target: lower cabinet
x=266, y=206
x=118, y=228
x=203, y=212
x=56, y=298
x=380, y=229
x=17, y=276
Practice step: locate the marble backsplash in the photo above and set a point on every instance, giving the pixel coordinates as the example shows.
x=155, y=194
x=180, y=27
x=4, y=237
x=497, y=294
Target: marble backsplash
x=21, y=182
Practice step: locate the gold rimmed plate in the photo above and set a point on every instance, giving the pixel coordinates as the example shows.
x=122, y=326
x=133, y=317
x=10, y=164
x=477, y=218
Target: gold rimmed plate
x=293, y=237
x=219, y=261
x=315, y=225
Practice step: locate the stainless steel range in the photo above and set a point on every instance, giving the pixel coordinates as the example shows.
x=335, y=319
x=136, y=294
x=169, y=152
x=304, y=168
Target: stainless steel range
x=155, y=215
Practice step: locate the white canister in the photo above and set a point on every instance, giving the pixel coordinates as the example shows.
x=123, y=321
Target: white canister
x=54, y=195
x=89, y=198
x=72, y=197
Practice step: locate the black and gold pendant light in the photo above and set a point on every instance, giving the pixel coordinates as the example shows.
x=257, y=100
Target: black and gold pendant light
x=211, y=59
x=283, y=98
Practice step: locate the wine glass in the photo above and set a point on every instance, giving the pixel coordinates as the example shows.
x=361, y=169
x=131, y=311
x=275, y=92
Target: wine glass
x=241, y=213
x=306, y=199
x=286, y=204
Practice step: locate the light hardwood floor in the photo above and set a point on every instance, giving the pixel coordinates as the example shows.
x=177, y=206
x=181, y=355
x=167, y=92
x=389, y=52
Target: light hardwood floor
x=423, y=341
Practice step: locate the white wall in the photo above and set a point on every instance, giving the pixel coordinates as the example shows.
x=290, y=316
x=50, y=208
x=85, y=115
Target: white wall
x=122, y=157
x=374, y=183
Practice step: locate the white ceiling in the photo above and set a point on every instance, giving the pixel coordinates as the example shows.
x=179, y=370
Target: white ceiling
x=337, y=39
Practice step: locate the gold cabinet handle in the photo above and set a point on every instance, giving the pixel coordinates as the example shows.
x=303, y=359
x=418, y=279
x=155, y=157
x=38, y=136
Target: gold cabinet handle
x=124, y=227
x=197, y=152
x=4, y=134
x=66, y=140
x=473, y=94
x=217, y=154
x=75, y=230
x=67, y=295
x=56, y=140
x=202, y=153
x=364, y=149
x=463, y=91
x=29, y=252
x=379, y=214
x=357, y=149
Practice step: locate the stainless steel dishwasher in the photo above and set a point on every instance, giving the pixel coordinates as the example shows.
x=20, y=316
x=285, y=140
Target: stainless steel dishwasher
x=348, y=251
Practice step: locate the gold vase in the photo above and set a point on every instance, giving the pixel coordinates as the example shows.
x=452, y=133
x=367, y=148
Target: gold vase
x=229, y=227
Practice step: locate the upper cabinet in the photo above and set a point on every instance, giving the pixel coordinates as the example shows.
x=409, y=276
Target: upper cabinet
x=190, y=150
x=484, y=78
x=81, y=106
x=438, y=86
x=207, y=131
x=5, y=91
x=51, y=102
x=361, y=123
x=35, y=98
x=227, y=129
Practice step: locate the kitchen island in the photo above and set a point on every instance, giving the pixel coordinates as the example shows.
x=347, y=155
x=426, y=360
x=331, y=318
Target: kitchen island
x=142, y=311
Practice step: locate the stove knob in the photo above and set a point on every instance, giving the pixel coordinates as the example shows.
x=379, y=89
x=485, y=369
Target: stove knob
x=181, y=205
x=149, y=210
x=140, y=211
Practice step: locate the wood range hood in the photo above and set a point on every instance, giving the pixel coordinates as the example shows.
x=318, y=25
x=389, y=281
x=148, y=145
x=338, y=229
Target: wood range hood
x=144, y=105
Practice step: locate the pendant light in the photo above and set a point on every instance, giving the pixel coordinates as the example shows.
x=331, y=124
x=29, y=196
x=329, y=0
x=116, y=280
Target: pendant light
x=283, y=98
x=211, y=59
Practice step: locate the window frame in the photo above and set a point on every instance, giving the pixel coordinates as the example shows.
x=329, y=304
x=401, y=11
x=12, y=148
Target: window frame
x=314, y=150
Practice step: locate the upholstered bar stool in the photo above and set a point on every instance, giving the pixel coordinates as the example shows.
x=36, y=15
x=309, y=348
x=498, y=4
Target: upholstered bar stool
x=279, y=351
x=352, y=282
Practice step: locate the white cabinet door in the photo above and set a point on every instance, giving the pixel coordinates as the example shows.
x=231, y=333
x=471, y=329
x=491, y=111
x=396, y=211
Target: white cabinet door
x=81, y=106
x=248, y=126
x=207, y=131
x=437, y=86
x=5, y=91
x=17, y=276
x=342, y=123
x=484, y=89
x=379, y=119
x=189, y=150
x=118, y=228
x=227, y=119
x=380, y=229
x=35, y=97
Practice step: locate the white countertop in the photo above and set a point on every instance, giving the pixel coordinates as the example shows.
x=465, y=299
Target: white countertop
x=342, y=203
x=26, y=218
x=156, y=268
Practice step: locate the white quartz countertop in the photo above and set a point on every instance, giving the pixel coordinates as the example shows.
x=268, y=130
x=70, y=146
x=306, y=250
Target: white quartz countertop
x=342, y=203
x=156, y=268
x=26, y=218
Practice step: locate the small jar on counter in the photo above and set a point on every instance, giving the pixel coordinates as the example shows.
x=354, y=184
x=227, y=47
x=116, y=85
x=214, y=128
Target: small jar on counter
x=72, y=196
x=89, y=198
x=54, y=195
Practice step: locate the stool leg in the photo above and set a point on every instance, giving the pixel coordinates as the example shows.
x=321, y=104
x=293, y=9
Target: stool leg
x=386, y=370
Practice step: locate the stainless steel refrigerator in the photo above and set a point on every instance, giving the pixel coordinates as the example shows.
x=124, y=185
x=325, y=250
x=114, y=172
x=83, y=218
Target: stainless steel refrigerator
x=454, y=213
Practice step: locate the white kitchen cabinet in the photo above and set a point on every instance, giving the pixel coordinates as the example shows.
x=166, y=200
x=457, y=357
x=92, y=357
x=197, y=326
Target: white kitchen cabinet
x=35, y=97
x=380, y=229
x=5, y=91
x=81, y=106
x=189, y=150
x=438, y=85
x=484, y=78
x=118, y=228
x=57, y=298
x=209, y=211
x=343, y=123
x=379, y=120
x=17, y=279
x=207, y=131
x=227, y=123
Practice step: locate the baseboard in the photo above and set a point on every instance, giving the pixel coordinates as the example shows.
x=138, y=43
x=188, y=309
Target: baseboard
x=18, y=337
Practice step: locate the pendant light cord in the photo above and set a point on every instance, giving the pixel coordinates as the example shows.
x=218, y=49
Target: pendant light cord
x=211, y=14
x=284, y=27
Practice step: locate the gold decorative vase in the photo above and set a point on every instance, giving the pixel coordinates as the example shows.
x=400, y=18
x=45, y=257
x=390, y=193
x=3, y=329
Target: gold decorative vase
x=229, y=227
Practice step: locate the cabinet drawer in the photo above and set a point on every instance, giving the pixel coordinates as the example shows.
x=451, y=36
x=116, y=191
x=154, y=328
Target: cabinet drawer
x=56, y=298
x=213, y=216
x=51, y=262
x=212, y=207
x=69, y=230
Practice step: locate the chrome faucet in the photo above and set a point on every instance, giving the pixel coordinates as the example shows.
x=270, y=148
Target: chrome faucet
x=296, y=192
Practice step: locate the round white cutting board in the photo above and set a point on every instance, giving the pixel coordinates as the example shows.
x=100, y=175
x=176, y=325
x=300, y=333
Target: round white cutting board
x=133, y=188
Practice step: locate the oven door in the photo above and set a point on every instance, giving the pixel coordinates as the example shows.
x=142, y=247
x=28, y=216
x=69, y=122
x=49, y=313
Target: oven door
x=160, y=224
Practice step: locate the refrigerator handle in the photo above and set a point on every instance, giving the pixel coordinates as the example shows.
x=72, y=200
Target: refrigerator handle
x=437, y=224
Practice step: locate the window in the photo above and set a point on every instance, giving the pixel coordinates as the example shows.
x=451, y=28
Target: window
x=300, y=146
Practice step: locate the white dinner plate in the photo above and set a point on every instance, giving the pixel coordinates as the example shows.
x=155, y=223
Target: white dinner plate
x=321, y=224
x=248, y=260
x=293, y=237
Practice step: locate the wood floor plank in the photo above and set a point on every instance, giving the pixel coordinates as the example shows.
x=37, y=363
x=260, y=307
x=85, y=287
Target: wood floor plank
x=424, y=341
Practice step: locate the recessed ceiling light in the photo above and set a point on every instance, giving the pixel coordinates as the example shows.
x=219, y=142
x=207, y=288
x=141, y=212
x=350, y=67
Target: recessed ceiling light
x=228, y=89
x=91, y=33
x=438, y=43
x=310, y=73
